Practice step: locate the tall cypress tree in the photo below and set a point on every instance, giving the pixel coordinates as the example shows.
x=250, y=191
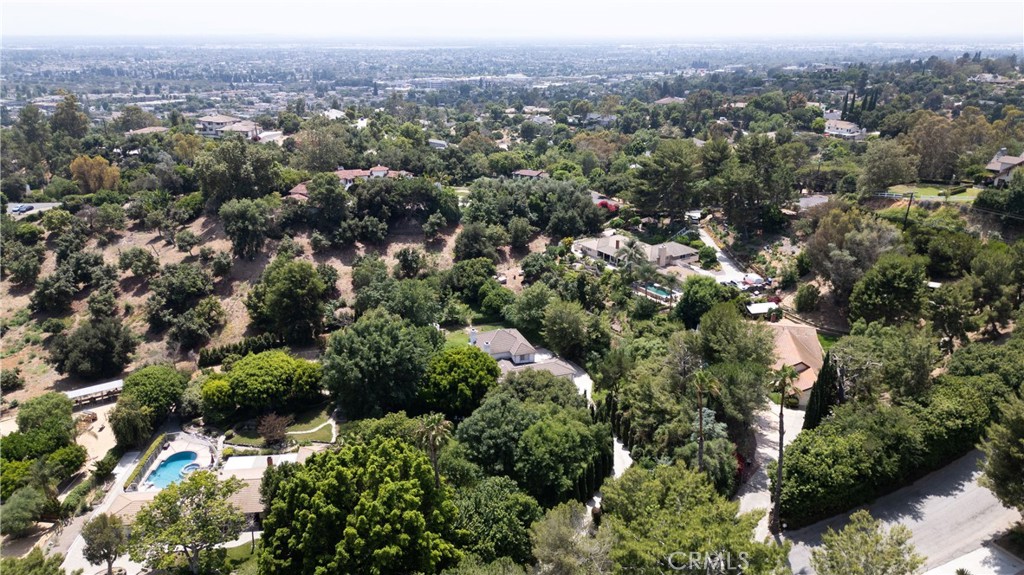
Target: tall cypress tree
x=824, y=394
x=846, y=102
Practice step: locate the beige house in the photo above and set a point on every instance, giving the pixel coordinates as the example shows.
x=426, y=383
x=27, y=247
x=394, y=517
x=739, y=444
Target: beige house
x=608, y=248
x=1002, y=166
x=798, y=346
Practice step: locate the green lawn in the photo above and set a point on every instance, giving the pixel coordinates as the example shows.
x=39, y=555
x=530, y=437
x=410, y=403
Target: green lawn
x=310, y=419
x=827, y=341
x=934, y=192
x=244, y=435
x=242, y=560
x=322, y=435
x=459, y=336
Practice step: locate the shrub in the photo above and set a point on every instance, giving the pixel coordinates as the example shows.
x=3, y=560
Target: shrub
x=11, y=379
x=807, y=296
x=216, y=355
x=708, y=257
x=146, y=459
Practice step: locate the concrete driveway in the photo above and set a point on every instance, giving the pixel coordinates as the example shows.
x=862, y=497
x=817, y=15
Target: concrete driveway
x=730, y=270
x=949, y=514
x=37, y=207
x=756, y=492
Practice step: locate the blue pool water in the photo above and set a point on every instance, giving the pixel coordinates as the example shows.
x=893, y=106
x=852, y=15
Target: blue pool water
x=169, y=469
x=657, y=290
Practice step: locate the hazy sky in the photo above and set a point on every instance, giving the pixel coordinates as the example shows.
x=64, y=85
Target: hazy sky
x=511, y=19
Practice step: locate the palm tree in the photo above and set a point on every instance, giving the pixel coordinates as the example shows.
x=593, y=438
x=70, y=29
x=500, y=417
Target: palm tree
x=785, y=384
x=629, y=256
x=433, y=431
x=704, y=383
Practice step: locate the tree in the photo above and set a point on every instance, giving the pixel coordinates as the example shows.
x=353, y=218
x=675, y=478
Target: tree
x=474, y=241
x=565, y=328
x=497, y=515
x=133, y=118
x=824, y=395
x=670, y=177
x=375, y=365
x=157, y=387
x=457, y=379
x=886, y=163
x=374, y=508
x=891, y=291
x=563, y=545
x=273, y=428
x=186, y=241
x=179, y=288
x=21, y=264
x=519, y=232
x=807, y=298
x=785, y=382
x=246, y=223
x=703, y=384
x=288, y=300
x=414, y=300
x=22, y=510
x=106, y=539
x=432, y=432
x=94, y=173
x=191, y=516
x=726, y=337
x=49, y=412
x=55, y=292
x=99, y=348
x=140, y=261
x=951, y=310
x=491, y=434
x=131, y=422
x=554, y=453
x=68, y=119
x=269, y=379
x=526, y=312
x=700, y=294
x=236, y=170
x=863, y=548
x=1004, y=465
x=410, y=262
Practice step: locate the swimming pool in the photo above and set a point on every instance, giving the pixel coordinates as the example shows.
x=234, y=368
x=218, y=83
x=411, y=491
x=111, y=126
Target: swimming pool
x=169, y=469
x=655, y=289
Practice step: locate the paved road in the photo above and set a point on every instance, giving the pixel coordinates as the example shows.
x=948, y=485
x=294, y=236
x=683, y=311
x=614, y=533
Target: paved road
x=42, y=207
x=949, y=514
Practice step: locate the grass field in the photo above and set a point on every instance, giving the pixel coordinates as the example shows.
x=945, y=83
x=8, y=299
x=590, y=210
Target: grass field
x=934, y=192
x=827, y=341
x=322, y=435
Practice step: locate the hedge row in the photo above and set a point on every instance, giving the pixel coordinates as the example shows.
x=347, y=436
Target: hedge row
x=145, y=460
x=861, y=453
x=215, y=355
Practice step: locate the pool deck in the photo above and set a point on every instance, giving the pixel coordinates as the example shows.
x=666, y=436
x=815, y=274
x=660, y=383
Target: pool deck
x=182, y=442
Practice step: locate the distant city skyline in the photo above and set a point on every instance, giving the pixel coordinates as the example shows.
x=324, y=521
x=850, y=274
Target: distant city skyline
x=528, y=20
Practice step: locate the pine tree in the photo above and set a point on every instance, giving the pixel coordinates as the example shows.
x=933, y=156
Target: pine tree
x=824, y=394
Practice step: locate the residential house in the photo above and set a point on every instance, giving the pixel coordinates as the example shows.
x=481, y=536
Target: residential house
x=1002, y=166
x=603, y=120
x=210, y=126
x=555, y=367
x=246, y=128
x=507, y=344
x=844, y=130
x=145, y=131
x=530, y=174
x=609, y=249
x=349, y=177
x=669, y=100
x=798, y=346
x=437, y=144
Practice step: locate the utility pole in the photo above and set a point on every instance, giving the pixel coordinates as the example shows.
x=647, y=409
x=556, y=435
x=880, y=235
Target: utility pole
x=907, y=214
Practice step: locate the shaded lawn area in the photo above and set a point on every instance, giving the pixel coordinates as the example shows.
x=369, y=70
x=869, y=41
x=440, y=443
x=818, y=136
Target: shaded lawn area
x=827, y=341
x=246, y=431
x=242, y=560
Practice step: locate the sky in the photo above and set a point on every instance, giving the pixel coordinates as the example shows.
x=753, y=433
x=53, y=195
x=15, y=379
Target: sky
x=610, y=20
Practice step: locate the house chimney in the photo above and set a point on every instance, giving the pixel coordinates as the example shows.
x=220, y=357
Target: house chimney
x=472, y=336
x=662, y=255
x=1001, y=152
x=616, y=244
x=487, y=347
